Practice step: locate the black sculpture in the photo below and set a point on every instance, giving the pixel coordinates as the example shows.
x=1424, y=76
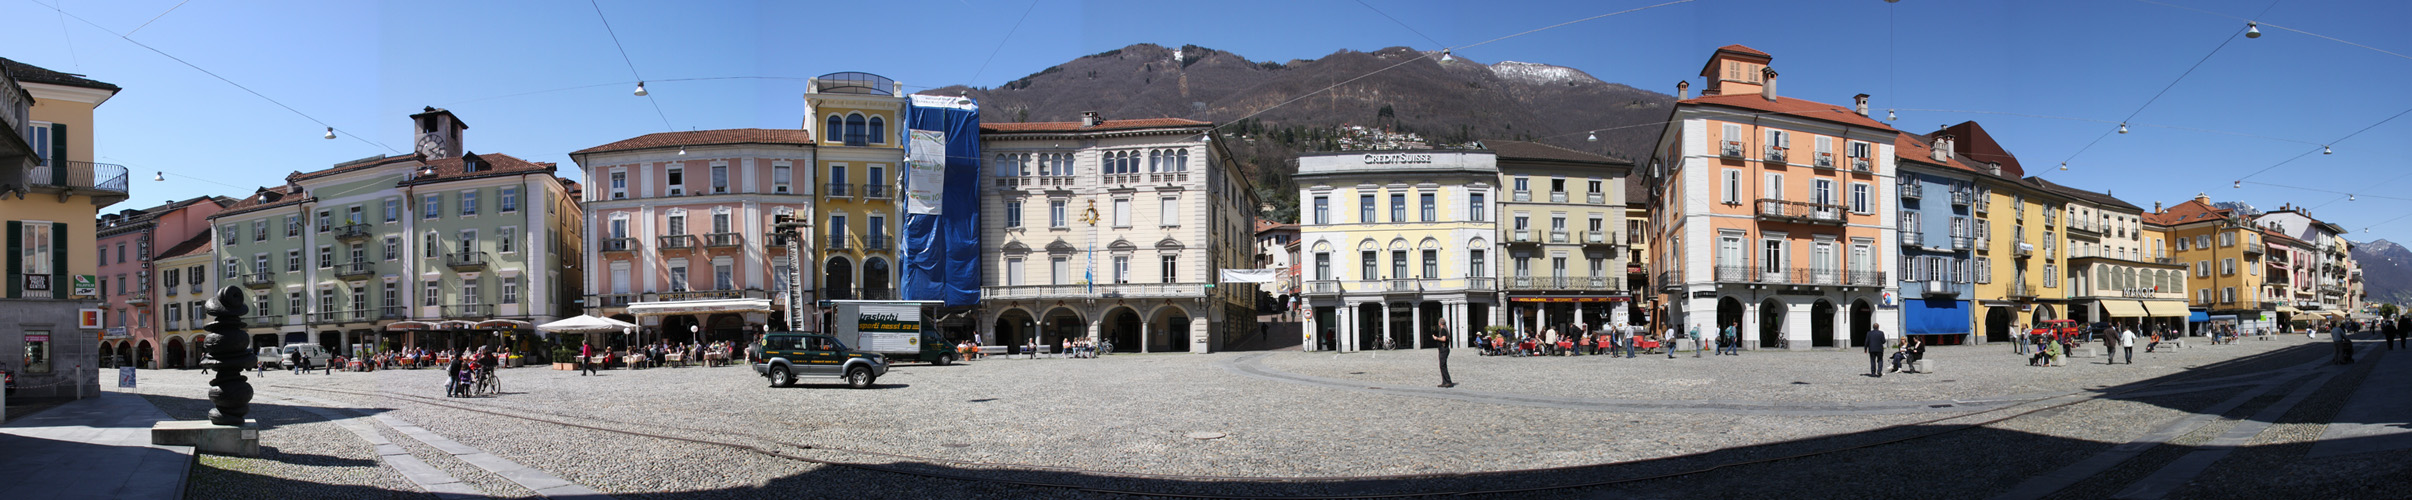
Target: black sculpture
x=228, y=350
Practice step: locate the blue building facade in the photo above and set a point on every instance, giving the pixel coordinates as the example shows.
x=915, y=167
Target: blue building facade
x=1937, y=240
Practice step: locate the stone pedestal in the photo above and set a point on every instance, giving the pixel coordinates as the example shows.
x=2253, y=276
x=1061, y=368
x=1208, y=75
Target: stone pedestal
x=205, y=437
x=1923, y=366
x=2085, y=352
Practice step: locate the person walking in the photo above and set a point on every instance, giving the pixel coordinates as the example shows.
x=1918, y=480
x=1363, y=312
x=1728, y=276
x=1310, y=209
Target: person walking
x=1440, y=333
x=1632, y=336
x=1726, y=341
x=1669, y=343
x=2127, y=343
x=2344, y=345
x=585, y=352
x=1875, y=349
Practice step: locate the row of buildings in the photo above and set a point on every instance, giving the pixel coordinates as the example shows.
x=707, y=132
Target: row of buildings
x=1797, y=223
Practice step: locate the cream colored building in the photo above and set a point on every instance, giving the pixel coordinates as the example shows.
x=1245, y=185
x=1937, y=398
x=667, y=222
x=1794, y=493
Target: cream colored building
x=1396, y=241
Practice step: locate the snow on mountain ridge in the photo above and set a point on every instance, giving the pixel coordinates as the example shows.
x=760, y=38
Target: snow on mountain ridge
x=1540, y=73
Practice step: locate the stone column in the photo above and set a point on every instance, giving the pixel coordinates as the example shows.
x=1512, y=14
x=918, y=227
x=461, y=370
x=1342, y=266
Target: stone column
x=1147, y=334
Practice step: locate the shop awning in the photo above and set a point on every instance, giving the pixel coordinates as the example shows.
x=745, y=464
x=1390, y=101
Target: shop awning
x=2166, y=308
x=2123, y=309
x=700, y=306
x=2198, y=317
x=503, y=324
x=404, y=326
x=1934, y=317
x=2289, y=310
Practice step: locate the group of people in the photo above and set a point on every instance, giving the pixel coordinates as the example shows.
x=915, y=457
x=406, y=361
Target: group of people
x=968, y=349
x=464, y=369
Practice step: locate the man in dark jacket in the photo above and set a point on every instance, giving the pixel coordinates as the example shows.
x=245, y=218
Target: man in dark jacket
x=1875, y=348
x=1440, y=333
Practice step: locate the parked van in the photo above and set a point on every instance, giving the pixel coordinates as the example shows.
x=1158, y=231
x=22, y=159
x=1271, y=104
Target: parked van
x=274, y=357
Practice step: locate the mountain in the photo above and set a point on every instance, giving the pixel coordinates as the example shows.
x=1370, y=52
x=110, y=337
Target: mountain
x=1448, y=104
x=2386, y=271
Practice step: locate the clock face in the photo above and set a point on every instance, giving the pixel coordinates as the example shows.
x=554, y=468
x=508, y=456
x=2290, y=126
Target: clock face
x=431, y=145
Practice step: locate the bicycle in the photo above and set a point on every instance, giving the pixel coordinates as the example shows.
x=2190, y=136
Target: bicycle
x=487, y=384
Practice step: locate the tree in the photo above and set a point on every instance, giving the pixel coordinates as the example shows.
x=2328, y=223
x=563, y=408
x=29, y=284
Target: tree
x=2387, y=310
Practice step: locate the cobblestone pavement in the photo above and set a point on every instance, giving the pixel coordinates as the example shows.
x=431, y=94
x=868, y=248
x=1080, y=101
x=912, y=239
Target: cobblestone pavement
x=1135, y=422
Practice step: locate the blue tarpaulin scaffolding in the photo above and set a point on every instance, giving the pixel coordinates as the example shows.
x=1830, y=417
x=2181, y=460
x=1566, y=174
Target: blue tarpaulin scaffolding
x=942, y=201
x=1935, y=317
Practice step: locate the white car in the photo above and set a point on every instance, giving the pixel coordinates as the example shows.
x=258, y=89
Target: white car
x=274, y=357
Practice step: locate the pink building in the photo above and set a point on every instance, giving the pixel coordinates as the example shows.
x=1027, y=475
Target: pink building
x=130, y=296
x=680, y=228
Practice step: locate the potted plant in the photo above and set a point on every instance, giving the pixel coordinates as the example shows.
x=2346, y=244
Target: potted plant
x=563, y=353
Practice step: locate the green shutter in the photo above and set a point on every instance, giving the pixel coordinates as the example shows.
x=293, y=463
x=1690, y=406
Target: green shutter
x=59, y=280
x=16, y=232
x=58, y=154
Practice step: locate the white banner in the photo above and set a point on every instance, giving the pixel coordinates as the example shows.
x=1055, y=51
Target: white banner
x=1248, y=275
x=925, y=166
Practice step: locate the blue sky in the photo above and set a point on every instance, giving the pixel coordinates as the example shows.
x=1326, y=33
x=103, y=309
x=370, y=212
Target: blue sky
x=538, y=79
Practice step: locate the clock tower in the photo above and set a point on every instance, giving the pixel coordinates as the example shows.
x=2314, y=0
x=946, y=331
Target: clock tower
x=438, y=133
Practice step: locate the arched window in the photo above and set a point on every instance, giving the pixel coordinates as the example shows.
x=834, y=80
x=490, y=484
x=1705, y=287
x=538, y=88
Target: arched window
x=879, y=130
x=836, y=130
x=855, y=135
x=1155, y=161
x=1181, y=163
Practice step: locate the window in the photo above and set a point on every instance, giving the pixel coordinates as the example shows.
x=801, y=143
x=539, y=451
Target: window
x=326, y=220
x=1772, y=260
x=1060, y=269
x=1398, y=264
x=1733, y=186
x=1475, y=208
x=510, y=199
x=259, y=264
x=226, y=234
x=293, y=303
x=2227, y=239
x=781, y=177
x=1859, y=149
x=1398, y=207
x=879, y=130
x=875, y=175
x=293, y=260
x=1778, y=140
x=1169, y=214
x=393, y=209
x=468, y=203
x=2227, y=267
x=2227, y=295
x=353, y=215
x=1431, y=264
x=619, y=184
x=470, y=293
x=1825, y=151
x=292, y=226
x=37, y=346
x=837, y=228
x=1431, y=207
x=676, y=178
x=359, y=299
x=468, y=241
x=834, y=130
x=720, y=178
x=1822, y=192
x=1013, y=271
x=1859, y=198
x=1775, y=187
x=1477, y=268
x=678, y=277
x=1013, y=213
x=434, y=246
x=326, y=257
x=359, y=253
x=2202, y=241
x=434, y=207
x=2181, y=244
x=1524, y=267
x=1122, y=212
x=678, y=223
x=1365, y=208
x=2202, y=269
x=1370, y=264
x=1323, y=210
x=1122, y=269
x=503, y=240
x=1055, y=214
x=1323, y=266
x=878, y=227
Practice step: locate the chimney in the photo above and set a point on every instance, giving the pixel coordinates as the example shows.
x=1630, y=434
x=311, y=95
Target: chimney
x=1768, y=90
x=1683, y=90
x=1861, y=103
x=2203, y=197
x=1090, y=119
x=2156, y=206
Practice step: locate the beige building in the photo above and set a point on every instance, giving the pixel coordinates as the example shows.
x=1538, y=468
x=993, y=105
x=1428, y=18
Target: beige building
x=1562, y=259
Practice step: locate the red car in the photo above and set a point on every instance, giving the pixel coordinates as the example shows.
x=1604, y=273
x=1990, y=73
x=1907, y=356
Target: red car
x=2059, y=328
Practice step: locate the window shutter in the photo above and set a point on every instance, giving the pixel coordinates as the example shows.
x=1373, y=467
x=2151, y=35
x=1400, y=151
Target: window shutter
x=16, y=235
x=58, y=262
x=58, y=155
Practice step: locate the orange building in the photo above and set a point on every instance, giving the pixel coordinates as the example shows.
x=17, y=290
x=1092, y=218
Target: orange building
x=1772, y=214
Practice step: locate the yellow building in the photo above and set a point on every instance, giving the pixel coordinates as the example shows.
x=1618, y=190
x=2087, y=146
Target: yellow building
x=2223, y=250
x=50, y=191
x=859, y=121
x=1395, y=242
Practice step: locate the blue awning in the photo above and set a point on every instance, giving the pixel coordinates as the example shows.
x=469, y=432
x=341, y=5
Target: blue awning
x=1934, y=317
x=2200, y=317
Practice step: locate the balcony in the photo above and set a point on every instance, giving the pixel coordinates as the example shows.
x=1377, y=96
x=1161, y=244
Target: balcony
x=1959, y=197
x=2022, y=250
x=1859, y=165
x=1913, y=190
x=1864, y=278
x=676, y=242
x=1731, y=149
x=1557, y=236
x=1803, y=212
x=2022, y=291
x=393, y=312
x=838, y=190
x=1773, y=156
x=835, y=241
x=468, y=310
x=171, y=290
x=723, y=240
x=875, y=242
x=339, y=317
x=877, y=191
x=1913, y=238
x=1962, y=243
x=1599, y=238
x=1321, y=287
x=1520, y=196
x=1824, y=160
x=464, y=261
x=1667, y=280
x=138, y=297
x=620, y=245
x=355, y=270
x=1937, y=288
x=264, y=320
x=1596, y=198
x=1557, y=196
x=2256, y=249
x=1564, y=283
x=1402, y=285
x=102, y=181
x=1520, y=236
x=613, y=300
x=770, y=242
x=1120, y=291
x=352, y=233
x=711, y=295
x=1736, y=274
x=258, y=279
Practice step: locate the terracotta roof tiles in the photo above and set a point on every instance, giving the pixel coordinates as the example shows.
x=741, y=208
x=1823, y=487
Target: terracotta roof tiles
x=1789, y=106
x=706, y=138
x=199, y=244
